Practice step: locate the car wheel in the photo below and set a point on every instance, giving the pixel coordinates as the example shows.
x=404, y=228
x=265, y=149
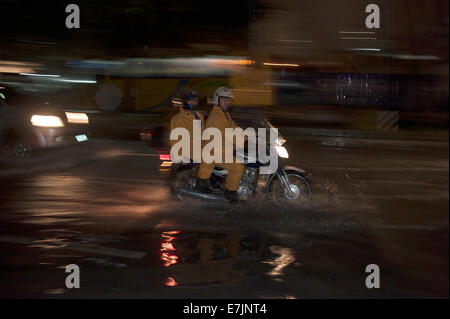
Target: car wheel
x=20, y=147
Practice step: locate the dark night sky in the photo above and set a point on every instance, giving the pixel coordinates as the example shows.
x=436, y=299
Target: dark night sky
x=139, y=28
x=118, y=25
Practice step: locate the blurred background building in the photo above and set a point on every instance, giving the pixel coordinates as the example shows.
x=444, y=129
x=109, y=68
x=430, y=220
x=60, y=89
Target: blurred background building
x=316, y=62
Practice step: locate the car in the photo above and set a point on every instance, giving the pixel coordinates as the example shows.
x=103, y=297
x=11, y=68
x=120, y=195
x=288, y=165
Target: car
x=28, y=127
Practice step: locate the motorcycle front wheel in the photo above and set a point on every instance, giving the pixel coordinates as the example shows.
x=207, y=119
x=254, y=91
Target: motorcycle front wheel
x=299, y=184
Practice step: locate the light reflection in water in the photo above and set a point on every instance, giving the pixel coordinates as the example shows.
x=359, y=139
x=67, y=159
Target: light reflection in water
x=169, y=259
x=167, y=246
x=170, y=282
x=60, y=196
x=168, y=254
x=284, y=259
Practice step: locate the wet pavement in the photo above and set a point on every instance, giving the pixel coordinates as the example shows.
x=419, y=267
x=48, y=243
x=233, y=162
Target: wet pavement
x=105, y=207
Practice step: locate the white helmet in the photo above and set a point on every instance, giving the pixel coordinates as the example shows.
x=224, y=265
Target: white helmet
x=222, y=92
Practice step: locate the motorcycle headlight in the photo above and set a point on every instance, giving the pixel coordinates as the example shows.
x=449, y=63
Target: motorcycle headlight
x=46, y=121
x=282, y=151
x=280, y=141
x=77, y=118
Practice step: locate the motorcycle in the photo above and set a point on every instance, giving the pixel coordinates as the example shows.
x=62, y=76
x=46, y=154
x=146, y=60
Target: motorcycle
x=287, y=184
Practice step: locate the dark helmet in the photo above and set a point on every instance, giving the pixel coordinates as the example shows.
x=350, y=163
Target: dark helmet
x=189, y=95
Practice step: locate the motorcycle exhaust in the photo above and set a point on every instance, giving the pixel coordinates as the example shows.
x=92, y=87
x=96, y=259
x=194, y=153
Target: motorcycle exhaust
x=197, y=195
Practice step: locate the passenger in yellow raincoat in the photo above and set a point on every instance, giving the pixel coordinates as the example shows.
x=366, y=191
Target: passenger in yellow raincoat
x=185, y=117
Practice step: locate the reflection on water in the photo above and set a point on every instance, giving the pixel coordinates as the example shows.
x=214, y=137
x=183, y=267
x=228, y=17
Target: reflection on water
x=198, y=258
x=168, y=254
x=284, y=259
x=167, y=248
x=52, y=189
x=57, y=291
x=45, y=221
x=64, y=198
x=50, y=243
x=170, y=282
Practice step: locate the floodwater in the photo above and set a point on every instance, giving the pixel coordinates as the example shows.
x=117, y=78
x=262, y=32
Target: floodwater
x=105, y=207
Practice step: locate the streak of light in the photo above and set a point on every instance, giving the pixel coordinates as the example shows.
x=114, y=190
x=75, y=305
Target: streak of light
x=365, y=49
x=41, y=75
x=281, y=64
x=297, y=41
x=166, y=164
x=357, y=32
x=354, y=38
x=79, y=81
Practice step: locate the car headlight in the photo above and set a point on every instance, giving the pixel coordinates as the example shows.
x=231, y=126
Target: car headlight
x=77, y=118
x=46, y=121
x=282, y=151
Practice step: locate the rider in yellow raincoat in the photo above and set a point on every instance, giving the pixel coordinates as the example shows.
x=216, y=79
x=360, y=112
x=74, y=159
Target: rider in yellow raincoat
x=220, y=118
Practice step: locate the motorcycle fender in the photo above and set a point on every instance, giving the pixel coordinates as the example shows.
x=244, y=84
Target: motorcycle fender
x=293, y=168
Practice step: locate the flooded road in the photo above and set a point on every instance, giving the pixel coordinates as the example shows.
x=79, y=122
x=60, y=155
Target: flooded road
x=106, y=208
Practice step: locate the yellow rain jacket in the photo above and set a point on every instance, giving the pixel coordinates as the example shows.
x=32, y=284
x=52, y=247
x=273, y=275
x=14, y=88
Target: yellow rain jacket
x=222, y=120
x=185, y=120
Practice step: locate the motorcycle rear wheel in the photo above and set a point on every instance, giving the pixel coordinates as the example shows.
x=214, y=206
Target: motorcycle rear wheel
x=182, y=179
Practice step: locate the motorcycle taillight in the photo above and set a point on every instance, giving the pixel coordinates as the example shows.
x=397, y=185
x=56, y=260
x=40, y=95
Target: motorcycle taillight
x=164, y=157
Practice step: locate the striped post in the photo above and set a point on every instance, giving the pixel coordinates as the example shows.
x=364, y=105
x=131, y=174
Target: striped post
x=387, y=121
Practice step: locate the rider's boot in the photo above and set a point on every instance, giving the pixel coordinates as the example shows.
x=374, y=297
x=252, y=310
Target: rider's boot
x=232, y=196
